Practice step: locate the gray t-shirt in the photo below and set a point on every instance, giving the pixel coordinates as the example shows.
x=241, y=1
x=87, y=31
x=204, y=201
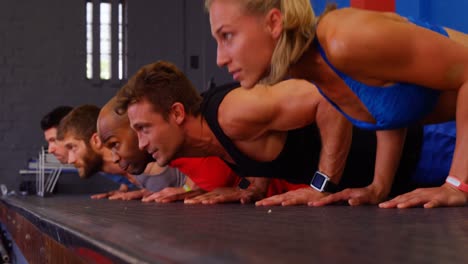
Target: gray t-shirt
x=170, y=177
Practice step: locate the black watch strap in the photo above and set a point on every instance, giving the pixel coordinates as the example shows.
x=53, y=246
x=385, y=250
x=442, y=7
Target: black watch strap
x=244, y=183
x=331, y=187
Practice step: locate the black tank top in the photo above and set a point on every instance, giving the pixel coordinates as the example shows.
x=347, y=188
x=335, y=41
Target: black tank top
x=297, y=161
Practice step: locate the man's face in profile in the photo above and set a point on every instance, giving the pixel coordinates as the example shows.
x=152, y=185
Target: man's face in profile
x=123, y=143
x=56, y=147
x=117, y=135
x=161, y=138
x=82, y=156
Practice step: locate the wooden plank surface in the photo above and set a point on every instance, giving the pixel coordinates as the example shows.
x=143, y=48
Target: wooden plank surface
x=135, y=232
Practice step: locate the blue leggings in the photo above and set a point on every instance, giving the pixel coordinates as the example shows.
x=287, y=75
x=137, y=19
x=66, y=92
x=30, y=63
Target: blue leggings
x=436, y=154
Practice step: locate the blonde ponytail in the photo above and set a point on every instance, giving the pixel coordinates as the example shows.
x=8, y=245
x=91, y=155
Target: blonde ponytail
x=298, y=33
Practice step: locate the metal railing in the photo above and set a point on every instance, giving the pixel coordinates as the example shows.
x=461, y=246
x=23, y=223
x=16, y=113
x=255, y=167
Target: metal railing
x=47, y=174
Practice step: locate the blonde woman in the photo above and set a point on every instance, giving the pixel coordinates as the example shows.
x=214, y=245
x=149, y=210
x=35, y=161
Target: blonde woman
x=380, y=70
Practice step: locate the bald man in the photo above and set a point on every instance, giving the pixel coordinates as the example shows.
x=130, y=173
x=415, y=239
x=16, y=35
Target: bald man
x=206, y=173
x=209, y=174
x=78, y=133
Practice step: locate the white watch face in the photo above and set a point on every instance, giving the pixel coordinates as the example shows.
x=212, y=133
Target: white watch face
x=453, y=181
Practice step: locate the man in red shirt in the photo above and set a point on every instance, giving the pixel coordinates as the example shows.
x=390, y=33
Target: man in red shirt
x=208, y=174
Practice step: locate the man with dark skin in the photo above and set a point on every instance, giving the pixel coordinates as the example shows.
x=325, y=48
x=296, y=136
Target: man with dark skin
x=116, y=135
x=208, y=173
x=77, y=131
x=204, y=173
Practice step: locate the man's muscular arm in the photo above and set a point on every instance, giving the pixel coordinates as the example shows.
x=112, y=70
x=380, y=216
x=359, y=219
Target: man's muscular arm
x=288, y=105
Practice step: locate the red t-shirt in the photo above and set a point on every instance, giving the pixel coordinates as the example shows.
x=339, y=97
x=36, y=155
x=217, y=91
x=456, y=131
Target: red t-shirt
x=208, y=173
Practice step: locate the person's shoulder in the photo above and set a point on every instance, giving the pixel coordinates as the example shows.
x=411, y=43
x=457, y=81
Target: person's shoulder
x=348, y=22
x=339, y=17
x=335, y=31
x=342, y=32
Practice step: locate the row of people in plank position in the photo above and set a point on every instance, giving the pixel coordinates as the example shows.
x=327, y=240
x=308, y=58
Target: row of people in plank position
x=297, y=127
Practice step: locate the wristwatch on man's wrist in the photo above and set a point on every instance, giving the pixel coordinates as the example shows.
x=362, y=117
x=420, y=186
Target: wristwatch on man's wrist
x=321, y=182
x=244, y=183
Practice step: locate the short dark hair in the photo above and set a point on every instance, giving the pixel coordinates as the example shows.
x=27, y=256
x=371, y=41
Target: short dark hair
x=81, y=122
x=53, y=118
x=162, y=84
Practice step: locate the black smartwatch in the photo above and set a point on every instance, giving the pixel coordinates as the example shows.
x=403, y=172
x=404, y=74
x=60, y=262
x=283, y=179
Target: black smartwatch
x=321, y=182
x=244, y=183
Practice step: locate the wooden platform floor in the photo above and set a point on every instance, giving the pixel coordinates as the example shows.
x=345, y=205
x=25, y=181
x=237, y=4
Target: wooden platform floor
x=135, y=232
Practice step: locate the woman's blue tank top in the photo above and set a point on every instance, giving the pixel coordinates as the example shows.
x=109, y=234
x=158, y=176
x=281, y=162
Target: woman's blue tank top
x=392, y=107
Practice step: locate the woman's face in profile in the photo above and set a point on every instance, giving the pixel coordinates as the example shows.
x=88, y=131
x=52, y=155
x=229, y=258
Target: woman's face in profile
x=245, y=42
